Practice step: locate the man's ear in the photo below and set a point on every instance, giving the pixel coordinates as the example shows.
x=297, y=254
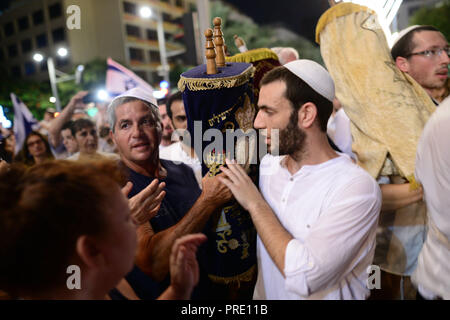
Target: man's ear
x=89, y=252
x=307, y=114
x=402, y=64
x=111, y=136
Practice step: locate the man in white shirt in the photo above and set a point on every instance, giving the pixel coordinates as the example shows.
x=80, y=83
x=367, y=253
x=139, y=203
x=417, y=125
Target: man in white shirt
x=317, y=212
x=179, y=152
x=432, y=275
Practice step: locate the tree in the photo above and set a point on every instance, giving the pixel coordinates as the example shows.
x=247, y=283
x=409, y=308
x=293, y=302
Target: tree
x=36, y=94
x=438, y=17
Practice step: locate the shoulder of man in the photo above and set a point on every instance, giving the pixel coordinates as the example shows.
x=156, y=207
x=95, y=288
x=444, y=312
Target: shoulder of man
x=352, y=178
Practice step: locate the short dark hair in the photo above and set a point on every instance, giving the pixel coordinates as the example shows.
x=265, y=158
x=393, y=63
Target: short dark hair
x=177, y=96
x=68, y=125
x=406, y=45
x=298, y=92
x=80, y=124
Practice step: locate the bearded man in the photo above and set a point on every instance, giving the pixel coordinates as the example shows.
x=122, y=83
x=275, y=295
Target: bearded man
x=317, y=213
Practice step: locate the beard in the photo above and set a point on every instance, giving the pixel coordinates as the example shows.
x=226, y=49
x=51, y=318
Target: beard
x=291, y=138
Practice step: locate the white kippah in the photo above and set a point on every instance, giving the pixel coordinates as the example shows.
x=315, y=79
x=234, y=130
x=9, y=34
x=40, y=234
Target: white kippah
x=316, y=76
x=138, y=93
x=404, y=32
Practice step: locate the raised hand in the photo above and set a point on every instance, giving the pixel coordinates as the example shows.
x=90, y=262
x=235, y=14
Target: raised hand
x=77, y=100
x=184, y=270
x=146, y=203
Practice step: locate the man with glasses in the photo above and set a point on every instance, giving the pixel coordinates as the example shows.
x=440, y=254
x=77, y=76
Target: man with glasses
x=423, y=53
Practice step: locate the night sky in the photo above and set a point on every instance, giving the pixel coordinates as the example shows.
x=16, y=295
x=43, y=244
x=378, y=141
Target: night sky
x=4, y=4
x=300, y=16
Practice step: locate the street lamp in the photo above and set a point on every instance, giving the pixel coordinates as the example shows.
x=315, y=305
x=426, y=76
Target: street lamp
x=102, y=95
x=62, y=52
x=146, y=12
x=38, y=57
x=53, y=73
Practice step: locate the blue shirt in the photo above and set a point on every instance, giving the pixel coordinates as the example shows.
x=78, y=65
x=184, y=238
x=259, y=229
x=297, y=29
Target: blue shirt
x=182, y=191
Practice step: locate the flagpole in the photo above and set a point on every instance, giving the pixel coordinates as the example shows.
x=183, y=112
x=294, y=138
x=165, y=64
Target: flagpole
x=162, y=46
x=52, y=76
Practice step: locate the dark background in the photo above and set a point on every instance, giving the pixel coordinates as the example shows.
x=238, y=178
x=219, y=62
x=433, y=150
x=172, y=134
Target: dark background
x=300, y=16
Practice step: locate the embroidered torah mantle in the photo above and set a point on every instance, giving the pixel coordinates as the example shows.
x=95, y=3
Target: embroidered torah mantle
x=217, y=107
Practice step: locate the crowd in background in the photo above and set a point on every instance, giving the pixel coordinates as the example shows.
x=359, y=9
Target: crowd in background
x=107, y=196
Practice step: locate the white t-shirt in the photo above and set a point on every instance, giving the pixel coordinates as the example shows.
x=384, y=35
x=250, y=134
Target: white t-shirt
x=433, y=171
x=331, y=209
x=175, y=153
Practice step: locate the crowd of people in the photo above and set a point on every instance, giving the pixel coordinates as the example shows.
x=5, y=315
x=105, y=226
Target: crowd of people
x=131, y=210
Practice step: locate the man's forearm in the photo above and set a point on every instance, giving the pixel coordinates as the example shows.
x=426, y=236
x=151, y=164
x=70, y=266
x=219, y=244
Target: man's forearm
x=274, y=236
x=57, y=124
x=396, y=196
x=154, y=248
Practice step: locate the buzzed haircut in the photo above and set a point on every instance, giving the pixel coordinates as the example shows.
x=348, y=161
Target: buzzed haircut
x=178, y=96
x=298, y=92
x=405, y=46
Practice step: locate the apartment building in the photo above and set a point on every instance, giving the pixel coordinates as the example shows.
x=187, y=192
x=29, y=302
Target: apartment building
x=109, y=28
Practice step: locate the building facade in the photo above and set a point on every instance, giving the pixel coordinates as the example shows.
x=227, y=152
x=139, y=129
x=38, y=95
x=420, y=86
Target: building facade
x=108, y=28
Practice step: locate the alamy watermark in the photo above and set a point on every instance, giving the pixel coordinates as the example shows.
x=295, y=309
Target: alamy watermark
x=73, y=17
x=74, y=280
x=246, y=147
x=374, y=277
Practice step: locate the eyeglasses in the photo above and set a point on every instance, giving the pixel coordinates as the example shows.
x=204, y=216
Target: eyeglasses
x=432, y=53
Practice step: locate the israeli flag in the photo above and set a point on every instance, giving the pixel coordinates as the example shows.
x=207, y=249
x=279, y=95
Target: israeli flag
x=120, y=79
x=24, y=122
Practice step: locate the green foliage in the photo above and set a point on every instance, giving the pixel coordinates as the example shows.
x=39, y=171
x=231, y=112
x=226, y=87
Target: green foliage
x=438, y=17
x=36, y=94
x=257, y=36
